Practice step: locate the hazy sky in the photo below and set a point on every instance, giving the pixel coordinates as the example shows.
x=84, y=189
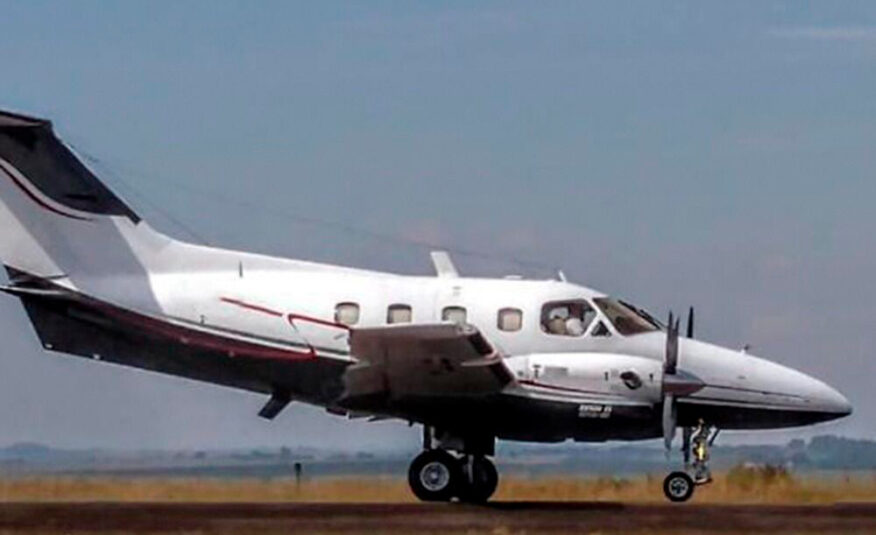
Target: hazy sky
x=715, y=154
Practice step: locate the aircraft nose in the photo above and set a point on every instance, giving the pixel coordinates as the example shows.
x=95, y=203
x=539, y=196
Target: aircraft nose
x=823, y=397
x=793, y=397
x=834, y=402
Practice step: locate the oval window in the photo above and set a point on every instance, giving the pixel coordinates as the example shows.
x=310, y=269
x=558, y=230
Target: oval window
x=454, y=314
x=399, y=314
x=510, y=319
x=347, y=313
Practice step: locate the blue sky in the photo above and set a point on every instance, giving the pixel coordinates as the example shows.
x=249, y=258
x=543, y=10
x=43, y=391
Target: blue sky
x=706, y=153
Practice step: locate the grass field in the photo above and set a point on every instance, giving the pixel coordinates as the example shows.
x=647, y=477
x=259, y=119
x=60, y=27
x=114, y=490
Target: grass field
x=740, y=485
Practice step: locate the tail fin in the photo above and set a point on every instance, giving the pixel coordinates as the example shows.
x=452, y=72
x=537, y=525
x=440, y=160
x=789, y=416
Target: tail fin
x=57, y=220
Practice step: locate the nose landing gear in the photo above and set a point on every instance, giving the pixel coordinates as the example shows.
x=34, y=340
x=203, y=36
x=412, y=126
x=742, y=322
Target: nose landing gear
x=679, y=486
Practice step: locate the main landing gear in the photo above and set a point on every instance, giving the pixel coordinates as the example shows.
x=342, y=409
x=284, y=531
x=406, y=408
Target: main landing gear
x=679, y=486
x=437, y=475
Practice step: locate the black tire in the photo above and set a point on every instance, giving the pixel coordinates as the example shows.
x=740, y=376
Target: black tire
x=478, y=486
x=678, y=487
x=434, y=476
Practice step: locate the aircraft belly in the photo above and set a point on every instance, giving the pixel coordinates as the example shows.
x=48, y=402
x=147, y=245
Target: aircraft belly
x=515, y=417
x=590, y=419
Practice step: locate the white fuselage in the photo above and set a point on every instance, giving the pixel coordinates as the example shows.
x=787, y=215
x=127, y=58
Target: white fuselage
x=254, y=295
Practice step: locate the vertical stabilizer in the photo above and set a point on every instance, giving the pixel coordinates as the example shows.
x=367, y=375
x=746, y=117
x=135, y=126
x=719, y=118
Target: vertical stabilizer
x=57, y=220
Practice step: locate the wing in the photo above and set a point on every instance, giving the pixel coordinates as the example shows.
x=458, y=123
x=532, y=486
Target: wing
x=422, y=361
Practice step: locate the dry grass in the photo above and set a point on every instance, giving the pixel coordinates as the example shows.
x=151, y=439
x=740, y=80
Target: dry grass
x=758, y=485
x=738, y=486
x=370, y=489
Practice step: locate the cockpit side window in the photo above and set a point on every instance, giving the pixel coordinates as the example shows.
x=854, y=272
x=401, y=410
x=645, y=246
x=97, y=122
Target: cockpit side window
x=567, y=318
x=627, y=319
x=600, y=330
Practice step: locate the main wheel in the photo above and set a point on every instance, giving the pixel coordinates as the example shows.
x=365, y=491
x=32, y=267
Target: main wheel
x=678, y=487
x=434, y=476
x=480, y=479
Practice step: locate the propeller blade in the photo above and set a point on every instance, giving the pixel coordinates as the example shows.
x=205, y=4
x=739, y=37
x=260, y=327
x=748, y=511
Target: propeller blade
x=668, y=421
x=690, y=322
x=670, y=365
x=671, y=362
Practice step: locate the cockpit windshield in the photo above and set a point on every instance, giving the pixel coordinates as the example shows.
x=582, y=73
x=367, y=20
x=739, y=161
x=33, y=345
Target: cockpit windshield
x=626, y=318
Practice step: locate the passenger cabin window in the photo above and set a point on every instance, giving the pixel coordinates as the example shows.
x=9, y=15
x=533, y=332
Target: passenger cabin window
x=627, y=319
x=347, y=313
x=510, y=319
x=454, y=314
x=398, y=314
x=567, y=318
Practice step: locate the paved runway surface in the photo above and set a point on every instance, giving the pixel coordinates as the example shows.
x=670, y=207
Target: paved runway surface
x=507, y=517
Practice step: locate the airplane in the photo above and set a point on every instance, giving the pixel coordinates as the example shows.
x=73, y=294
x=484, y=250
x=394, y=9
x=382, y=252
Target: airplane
x=471, y=360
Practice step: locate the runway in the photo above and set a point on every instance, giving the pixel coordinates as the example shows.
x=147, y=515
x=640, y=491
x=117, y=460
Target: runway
x=502, y=517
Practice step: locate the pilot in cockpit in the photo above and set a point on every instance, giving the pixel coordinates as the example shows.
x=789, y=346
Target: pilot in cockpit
x=574, y=326
x=565, y=320
x=556, y=324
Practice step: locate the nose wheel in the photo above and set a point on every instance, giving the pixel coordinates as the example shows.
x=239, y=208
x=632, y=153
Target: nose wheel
x=679, y=486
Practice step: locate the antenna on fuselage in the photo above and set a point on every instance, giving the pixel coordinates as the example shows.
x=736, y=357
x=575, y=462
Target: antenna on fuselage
x=690, y=322
x=443, y=265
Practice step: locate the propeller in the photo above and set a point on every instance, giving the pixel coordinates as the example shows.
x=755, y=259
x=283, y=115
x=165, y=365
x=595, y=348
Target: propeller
x=675, y=384
x=670, y=368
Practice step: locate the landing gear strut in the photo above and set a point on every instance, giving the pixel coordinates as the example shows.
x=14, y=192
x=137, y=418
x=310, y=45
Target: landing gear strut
x=679, y=486
x=437, y=475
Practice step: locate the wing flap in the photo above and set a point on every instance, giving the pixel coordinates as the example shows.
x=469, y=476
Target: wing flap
x=434, y=360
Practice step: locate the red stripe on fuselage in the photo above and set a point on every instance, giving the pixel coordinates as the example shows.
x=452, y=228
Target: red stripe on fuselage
x=249, y=306
x=200, y=339
x=291, y=317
